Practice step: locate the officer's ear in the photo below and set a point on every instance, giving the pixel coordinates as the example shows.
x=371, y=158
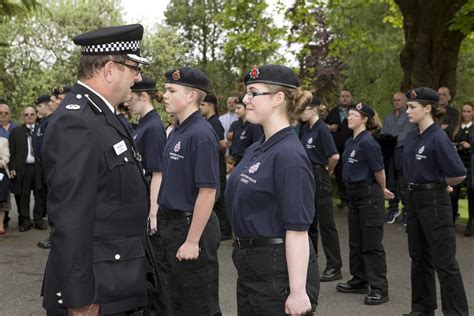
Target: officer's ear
x=108, y=70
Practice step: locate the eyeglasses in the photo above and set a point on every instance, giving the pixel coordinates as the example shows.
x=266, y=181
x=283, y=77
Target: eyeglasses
x=250, y=95
x=29, y=114
x=4, y=113
x=137, y=69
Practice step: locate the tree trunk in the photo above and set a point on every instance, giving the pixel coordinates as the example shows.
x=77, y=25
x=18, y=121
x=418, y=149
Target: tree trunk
x=430, y=55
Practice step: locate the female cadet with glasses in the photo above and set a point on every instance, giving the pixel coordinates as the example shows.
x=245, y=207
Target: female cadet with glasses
x=430, y=165
x=270, y=199
x=364, y=176
x=322, y=152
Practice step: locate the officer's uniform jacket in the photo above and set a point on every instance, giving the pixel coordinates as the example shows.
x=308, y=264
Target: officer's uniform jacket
x=98, y=206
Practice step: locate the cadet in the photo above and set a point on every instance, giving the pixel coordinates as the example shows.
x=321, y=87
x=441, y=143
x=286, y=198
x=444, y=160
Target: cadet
x=364, y=176
x=98, y=201
x=430, y=164
x=323, y=155
x=189, y=188
x=150, y=139
x=208, y=108
x=270, y=202
x=242, y=133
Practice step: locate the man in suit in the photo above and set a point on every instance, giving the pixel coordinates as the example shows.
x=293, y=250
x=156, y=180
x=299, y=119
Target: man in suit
x=26, y=172
x=98, y=198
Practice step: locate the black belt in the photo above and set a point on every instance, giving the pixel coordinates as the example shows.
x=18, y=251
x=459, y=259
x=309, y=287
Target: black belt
x=171, y=214
x=358, y=185
x=257, y=242
x=426, y=186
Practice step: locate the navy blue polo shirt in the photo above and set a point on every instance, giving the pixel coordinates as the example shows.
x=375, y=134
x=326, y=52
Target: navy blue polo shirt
x=245, y=134
x=190, y=162
x=150, y=138
x=217, y=126
x=430, y=157
x=272, y=189
x=362, y=157
x=318, y=143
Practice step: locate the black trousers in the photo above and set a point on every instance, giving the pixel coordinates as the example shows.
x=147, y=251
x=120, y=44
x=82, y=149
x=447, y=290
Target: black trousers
x=324, y=217
x=194, y=284
x=432, y=246
x=341, y=187
x=28, y=184
x=219, y=205
x=398, y=184
x=263, y=284
x=367, y=255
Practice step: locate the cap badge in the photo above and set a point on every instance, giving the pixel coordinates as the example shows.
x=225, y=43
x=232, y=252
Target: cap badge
x=254, y=168
x=413, y=94
x=359, y=106
x=254, y=72
x=73, y=107
x=177, y=147
x=176, y=75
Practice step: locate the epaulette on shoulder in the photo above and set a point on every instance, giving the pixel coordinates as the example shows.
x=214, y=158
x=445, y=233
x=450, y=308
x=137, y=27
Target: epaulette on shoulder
x=74, y=103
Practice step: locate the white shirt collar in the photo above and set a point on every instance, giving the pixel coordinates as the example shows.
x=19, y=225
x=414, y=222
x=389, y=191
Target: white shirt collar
x=466, y=125
x=111, y=107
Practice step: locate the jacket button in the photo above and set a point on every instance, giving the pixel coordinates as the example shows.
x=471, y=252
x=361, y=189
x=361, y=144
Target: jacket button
x=60, y=301
x=117, y=257
x=59, y=294
x=125, y=159
x=78, y=96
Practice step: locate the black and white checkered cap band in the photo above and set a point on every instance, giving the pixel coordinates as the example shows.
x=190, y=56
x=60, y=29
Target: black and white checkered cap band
x=132, y=46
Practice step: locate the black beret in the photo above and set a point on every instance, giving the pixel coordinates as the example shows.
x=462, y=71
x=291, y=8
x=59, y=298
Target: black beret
x=315, y=102
x=42, y=99
x=363, y=108
x=113, y=40
x=61, y=90
x=423, y=94
x=147, y=84
x=272, y=74
x=210, y=98
x=190, y=77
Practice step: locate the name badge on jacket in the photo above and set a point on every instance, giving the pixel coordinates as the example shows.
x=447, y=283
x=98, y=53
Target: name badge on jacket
x=120, y=147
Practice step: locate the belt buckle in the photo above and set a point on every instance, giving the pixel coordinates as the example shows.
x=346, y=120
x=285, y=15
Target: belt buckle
x=411, y=186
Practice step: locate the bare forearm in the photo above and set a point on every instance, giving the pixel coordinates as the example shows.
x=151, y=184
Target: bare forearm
x=455, y=180
x=202, y=211
x=332, y=162
x=297, y=258
x=380, y=178
x=154, y=189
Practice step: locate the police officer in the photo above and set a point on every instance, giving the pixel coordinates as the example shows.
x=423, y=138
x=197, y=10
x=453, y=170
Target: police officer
x=208, y=108
x=364, y=176
x=242, y=133
x=270, y=201
x=322, y=152
x=150, y=139
x=190, y=186
x=98, y=200
x=430, y=164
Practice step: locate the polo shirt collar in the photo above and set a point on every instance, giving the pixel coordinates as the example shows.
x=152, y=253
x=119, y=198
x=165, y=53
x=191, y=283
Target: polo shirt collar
x=148, y=116
x=274, y=139
x=359, y=137
x=181, y=127
x=428, y=131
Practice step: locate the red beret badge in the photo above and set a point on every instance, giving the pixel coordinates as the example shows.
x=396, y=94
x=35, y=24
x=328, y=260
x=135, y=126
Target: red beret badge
x=254, y=72
x=176, y=75
x=413, y=94
x=359, y=106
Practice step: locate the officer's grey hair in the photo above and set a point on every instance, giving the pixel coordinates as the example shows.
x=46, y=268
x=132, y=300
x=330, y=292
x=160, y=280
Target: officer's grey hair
x=89, y=65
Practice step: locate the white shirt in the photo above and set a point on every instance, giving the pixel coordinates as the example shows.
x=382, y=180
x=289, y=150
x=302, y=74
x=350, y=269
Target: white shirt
x=466, y=125
x=110, y=106
x=30, y=158
x=226, y=120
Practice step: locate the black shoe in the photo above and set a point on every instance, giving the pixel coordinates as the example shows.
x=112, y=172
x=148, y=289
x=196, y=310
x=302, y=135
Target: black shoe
x=413, y=313
x=45, y=244
x=41, y=226
x=331, y=275
x=468, y=232
x=25, y=227
x=347, y=288
x=375, y=299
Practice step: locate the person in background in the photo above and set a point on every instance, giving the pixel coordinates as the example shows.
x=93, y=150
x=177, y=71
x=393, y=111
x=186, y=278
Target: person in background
x=364, y=176
x=462, y=139
x=229, y=117
x=270, y=202
x=450, y=115
x=396, y=124
x=242, y=133
x=430, y=165
x=172, y=124
x=337, y=123
x=4, y=181
x=322, y=152
x=123, y=113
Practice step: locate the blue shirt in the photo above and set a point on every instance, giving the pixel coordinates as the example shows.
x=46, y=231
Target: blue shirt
x=245, y=134
x=397, y=126
x=318, y=143
x=362, y=157
x=150, y=139
x=272, y=189
x=190, y=162
x=6, y=133
x=430, y=157
x=217, y=126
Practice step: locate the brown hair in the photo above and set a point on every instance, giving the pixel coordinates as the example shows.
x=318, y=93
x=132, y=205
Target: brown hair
x=436, y=113
x=154, y=95
x=459, y=123
x=89, y=65
x=296, y=99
